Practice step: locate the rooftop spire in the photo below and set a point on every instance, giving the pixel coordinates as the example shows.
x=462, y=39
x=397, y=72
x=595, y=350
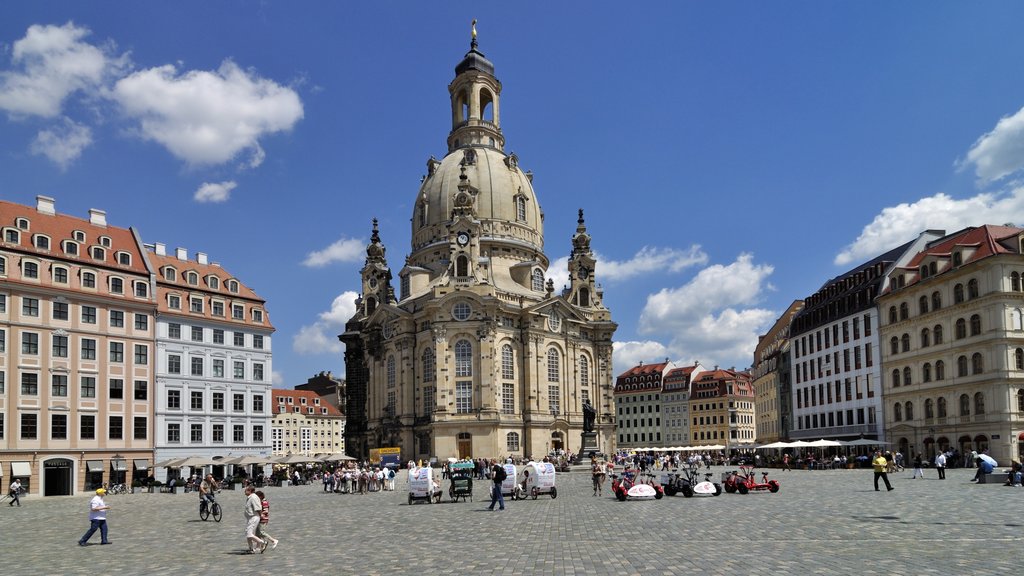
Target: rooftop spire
x=472, y=43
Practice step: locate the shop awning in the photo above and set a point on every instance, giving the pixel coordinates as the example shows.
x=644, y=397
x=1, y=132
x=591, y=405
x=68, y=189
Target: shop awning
x=94, y=465
x=21, y=469
x=141, y=465
x=118, y=465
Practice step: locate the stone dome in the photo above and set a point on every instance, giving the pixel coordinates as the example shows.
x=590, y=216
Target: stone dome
x=502, y=199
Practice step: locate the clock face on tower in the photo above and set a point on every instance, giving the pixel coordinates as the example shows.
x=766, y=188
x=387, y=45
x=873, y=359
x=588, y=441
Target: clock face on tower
x=462, y=238
x=584, y=273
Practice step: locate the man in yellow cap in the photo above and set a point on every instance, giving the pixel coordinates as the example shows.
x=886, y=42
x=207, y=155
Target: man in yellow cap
x=97, y=518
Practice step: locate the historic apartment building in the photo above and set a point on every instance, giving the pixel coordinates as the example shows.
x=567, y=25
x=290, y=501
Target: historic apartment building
x=771, y=379
x=722, y=409
x=675, y=401
x=638, y=405
x=953, y=345
x=477, y=355
x=306, y=424
x=837, y=391
x=77, y=318
x=213, y=373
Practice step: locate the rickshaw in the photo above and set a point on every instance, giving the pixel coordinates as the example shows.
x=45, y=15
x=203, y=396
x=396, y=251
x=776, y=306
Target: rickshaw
x=462, y=481
x=508, y=485
x=540, y=479
x=422, y=485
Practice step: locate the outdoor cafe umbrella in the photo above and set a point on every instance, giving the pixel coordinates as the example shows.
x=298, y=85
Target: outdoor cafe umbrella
x=338, y=458
x=197, y=462
x=296, y=459
x=169, y=463
x=247, y=460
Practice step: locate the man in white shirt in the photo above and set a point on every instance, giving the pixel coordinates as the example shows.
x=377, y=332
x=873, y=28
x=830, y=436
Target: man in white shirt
x=940, y=465
x=97, y=518
x=15, y=493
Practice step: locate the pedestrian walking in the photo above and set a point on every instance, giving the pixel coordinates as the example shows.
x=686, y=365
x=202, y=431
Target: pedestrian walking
x=497, y=477
x=252, y=510
x=785, y=463
x=597, y=471
x=918, y=471
x=15, y=493
x=880, y=464
x=261, y=529
x=97, y=519
x=940, y=465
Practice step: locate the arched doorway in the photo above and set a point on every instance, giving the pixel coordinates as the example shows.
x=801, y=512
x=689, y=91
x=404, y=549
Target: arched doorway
x=57, y=477
x=981, y=441
x=929, y=449
x=904, y=447
x=464, y=442
x=556, y=441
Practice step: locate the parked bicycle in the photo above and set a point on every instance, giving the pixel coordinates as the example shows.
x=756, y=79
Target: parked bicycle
x=117, y=489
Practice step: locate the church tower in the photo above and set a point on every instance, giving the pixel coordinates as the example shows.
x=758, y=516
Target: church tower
x=477, y=355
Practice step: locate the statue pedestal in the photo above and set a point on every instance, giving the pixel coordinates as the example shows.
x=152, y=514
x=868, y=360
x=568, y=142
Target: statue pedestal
x=589, y=444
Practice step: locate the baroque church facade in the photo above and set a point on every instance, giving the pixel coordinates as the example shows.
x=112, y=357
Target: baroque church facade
x=478, y=356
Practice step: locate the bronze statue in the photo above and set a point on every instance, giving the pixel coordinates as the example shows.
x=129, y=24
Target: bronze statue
x=589, y=414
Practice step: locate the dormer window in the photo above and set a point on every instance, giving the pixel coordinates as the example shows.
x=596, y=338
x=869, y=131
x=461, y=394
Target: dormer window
x=141, y=290
x=233, y=286
x=98, y=253
x=124, y=258
x=88, y=280
x=192, y=278
x=12, y=236
x=116, y=285
x=958, y=258
x=30, y=270
x=521, y=208
x=196, y=305
x=170, y=274
x=174, y=301
x=78, y=235
x=70, y=248
x=213, y=282
x=41, y=242
x=105, y=241
x=257, y=316
x=538, y=280
x=237, y=312
x=21, y=223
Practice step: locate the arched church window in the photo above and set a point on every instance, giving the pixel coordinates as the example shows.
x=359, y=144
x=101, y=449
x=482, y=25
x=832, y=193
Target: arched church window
x=429, y=368
x=521, y=208
x=538, y=280
x=462, y=266
x=553, y=365
x=508, y=371
x=584, y=297
x=463, y=358
x=584, y=371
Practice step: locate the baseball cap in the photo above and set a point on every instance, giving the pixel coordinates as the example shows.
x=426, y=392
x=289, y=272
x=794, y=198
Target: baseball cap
x=101, y=491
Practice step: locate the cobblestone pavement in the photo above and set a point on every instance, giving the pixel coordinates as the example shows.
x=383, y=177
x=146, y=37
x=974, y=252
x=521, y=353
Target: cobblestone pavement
x=821, y=522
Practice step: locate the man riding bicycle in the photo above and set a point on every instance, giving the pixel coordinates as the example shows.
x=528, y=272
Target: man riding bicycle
x=206, y=489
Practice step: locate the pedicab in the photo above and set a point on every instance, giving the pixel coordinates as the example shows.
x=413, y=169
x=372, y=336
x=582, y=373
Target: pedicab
x=636, y=485
x=508, y=485
x=423, y=486
x=462, y=481
x=539, y=478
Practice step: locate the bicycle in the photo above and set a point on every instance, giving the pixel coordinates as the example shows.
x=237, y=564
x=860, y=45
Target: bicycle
x=206, y=509
x=117, y=489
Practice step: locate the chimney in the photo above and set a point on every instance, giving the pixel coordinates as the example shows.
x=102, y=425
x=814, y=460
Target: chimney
x=201, y=258
x=181, y=253
x=46, y=205
x=97, y=217
x=160, y=249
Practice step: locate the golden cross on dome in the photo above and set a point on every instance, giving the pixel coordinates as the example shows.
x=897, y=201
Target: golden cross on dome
x=474, y=28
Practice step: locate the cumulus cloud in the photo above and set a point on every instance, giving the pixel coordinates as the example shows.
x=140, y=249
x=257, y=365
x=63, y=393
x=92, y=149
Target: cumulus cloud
x=714, y=317
x=558, y=273
x=215, y=192
x=321, y=337
x=649, y=260
x=999, y=153
x=52, y=62
x=625, y=355
x=344, y=250
x=208, y=117
x=896, y=225
x=62, y=144
x=276, y=378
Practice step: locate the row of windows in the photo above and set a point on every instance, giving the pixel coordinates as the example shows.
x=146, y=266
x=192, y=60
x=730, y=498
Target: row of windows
x=60, y=427
x=30, y=269
x=197, y=305
x=831, y=419
x=72, y=247
x=897, y=314
x=825, y=338
x=87, y=386
x=937, y=408
x=976, y=366
x=197, y=399
x=822, y=394
x=197, y=367
x=829, y=363
x=935, y=335
x=30, y=308
x=197, y=433
x=170, y=273
x=625, y=409
x=198, y=334
x=60, y=346
x=639, y=437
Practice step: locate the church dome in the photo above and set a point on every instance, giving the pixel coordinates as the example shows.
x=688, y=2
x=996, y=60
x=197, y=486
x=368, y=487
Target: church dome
x=500, y=196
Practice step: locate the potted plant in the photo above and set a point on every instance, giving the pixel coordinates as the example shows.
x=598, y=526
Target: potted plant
x=135, y=485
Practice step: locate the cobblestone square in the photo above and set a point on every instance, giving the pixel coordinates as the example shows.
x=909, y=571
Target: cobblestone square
x=820, y=522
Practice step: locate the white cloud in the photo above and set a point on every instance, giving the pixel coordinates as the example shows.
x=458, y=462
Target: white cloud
x=344, y=250
x=896, y=225
x=208, y=117
x=62, y=144
x=321, y=337
x=649, y=260
x=999, y=153
x=714, y=317
x=215, y=192
x=625, y=355
x=53, y=63
x=558, y=273
x=276, y=379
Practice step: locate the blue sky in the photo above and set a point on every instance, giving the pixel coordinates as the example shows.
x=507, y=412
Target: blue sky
x=730, y=156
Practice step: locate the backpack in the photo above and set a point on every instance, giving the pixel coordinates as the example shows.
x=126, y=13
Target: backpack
x=500, y=474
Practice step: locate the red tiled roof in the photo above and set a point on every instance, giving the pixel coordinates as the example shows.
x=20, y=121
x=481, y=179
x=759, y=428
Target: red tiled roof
x=986, y=240
x=295, y=397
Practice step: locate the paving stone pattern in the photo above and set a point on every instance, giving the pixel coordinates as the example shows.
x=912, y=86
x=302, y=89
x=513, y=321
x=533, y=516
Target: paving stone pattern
x=820, y=522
